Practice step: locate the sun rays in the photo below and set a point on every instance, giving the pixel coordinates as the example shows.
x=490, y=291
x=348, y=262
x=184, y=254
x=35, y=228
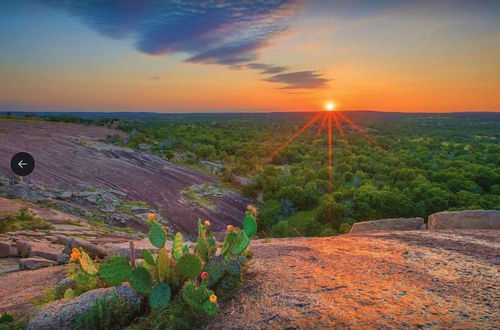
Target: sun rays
x=327, y=118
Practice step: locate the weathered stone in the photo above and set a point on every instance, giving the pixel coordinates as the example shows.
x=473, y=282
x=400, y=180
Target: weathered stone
x=65, y=284
x=387, y=224
x=65, y=195
x=63, y=258
x=91, y=249
x=8, y=265
x=4, y=250
x=23, y=248
x=45, y=250
x=475, y=219
x=62, y=314
x=34, y=263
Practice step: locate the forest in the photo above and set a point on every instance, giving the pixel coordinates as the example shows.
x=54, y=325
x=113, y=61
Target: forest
x=393, y=165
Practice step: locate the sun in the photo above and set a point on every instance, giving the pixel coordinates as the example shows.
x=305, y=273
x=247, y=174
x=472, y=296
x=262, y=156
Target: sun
x=329, y=106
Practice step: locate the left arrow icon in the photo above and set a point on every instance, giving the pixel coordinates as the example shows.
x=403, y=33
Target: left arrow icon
x=22, y=164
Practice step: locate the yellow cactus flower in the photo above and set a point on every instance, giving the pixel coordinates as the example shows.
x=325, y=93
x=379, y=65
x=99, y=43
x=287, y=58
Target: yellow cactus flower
x=252, y=209
x=151, y=216
x=213, y=299
x=75, y=254
x=230, y=228
x=206, y=223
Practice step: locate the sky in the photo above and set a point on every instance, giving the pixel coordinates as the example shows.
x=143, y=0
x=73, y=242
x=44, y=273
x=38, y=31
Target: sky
x=250, y=56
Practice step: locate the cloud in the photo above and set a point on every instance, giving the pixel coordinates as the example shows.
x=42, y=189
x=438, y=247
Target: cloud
x=229, y=33
x=299, y=80
x=266, y=68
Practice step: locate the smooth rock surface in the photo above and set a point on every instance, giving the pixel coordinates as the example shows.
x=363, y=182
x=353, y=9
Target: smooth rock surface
x=62, y=314
x=387, y=224
x=475, y=219
x=34, y=263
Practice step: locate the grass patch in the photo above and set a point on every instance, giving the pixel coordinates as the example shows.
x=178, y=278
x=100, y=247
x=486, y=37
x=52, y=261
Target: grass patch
x=24, y=219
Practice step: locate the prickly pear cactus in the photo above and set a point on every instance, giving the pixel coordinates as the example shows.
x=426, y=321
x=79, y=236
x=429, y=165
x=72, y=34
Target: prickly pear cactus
x=196, y=296
x=86, y=263
x=160, y=296
x=189, y=265
x=202, y=230
x=233, y=267
x=229, y=242
x=177, y=251
x=141, y=281
x=115, y=270
x=148, y=257
x=242, y=243
x=163, y=266
x=202, y=248
x=210, y=308
x=157, y=235
x=216, y=268
x=250, y=224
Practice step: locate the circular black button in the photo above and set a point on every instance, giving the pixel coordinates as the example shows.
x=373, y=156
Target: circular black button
x=22, y=163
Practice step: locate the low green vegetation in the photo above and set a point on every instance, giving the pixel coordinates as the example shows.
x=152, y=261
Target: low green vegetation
x=179, y=287
x=24, y=219
x=400, y=165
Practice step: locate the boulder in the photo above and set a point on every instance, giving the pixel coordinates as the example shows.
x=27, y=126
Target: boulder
x=63, y=258
x=62, y=314
x=4, y=250
x=387, y=224
x=92, y=250
x=45, y=250
x=23, y=248
x=34, y=263
x=476, y=219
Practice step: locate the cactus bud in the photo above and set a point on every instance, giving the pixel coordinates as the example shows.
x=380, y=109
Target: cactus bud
x=151, y=216
x=206, y=223
x=213, y=299
x=204, y=275
x=230, y=228
x=251, y=209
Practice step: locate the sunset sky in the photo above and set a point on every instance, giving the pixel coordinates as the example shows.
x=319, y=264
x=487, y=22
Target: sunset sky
x=261, y=55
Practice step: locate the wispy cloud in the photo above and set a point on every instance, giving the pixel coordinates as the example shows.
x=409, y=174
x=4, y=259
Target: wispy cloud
x=228, y=33
x=299, y=80
x=266, y=68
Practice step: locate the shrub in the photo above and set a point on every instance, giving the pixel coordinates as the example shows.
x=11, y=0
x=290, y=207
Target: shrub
x=105, y=313
x=24, y=219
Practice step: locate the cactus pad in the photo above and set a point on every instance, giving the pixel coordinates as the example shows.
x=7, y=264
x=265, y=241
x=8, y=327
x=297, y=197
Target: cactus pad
x=148, y=257
x=233, y=267
x=87, y=264
x=250, y=225
x=242, y=243
x=189, y=266
x=216, y=268
x=210, y=308
x=160, y=296
x=157, y=235
x=141, y=280
x=115, y=270
x=163, y=266
x=177, y=250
